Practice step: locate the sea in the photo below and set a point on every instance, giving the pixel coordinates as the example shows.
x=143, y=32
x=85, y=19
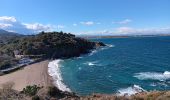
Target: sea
x=124, y=66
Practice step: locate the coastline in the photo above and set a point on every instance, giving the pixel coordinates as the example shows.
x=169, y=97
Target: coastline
x=38, y=73
x=55, y=73
x=34, y=74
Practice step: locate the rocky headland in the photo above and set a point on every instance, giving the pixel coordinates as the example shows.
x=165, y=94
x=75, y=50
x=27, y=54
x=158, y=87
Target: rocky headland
x=45, y=45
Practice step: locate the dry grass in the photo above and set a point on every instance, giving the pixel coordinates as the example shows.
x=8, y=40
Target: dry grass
x=7, y=93
x=7, y=86
x=154, y=95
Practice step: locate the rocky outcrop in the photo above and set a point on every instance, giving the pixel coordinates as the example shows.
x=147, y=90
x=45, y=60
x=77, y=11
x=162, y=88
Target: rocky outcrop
x=99, y=44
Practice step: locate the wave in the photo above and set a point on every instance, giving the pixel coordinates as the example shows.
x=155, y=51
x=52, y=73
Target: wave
x=54, y=71
x=92, y=63
x=160, y=84
x=109, y=45
x=102, y=48
x=153, y=76
x=93, y=52
x=153, y=84
x=130, y=90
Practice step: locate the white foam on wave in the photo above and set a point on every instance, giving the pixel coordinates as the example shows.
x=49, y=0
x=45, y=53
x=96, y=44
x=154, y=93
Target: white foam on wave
x=109, y=45
x=153, y=84
x=92, y=63
x=130, y=90
x=54, y=71
x=164, y=84
x=102, y=48
x=93, y=52
x=153, y=76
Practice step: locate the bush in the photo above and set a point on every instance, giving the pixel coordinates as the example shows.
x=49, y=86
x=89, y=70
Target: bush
x=4, y=64
x=31, y=90
x=36, y=97
x=53, y=91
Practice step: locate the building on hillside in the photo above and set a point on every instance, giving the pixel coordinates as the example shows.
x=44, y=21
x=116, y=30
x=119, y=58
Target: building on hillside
x=18, y=54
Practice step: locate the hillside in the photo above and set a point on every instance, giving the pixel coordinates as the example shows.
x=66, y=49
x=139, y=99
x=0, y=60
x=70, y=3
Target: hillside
x=6, y=36
x=52, y=93
x=50, y=45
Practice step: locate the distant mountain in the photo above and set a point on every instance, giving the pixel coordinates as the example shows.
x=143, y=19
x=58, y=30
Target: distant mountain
x=5, y=36
x=4, y=32
x=119, y=36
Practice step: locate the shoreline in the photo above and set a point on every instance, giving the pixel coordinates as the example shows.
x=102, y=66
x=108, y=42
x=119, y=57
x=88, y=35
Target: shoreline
x=47, y=73
x=34, y=74
x=38, y=74
x=55, y=73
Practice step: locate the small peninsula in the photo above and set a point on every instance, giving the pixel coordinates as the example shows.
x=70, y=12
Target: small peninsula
x=45, y=45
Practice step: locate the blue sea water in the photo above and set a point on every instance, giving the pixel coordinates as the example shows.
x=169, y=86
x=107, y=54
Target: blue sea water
x=125, y=62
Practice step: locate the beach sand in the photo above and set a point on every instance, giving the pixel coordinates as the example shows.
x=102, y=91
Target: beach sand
x=35, y=74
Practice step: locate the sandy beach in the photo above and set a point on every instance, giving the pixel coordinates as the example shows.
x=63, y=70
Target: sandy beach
x=35, y=74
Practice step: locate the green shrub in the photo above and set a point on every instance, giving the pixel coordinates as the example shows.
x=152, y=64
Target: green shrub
x=4, y=64
x=31, y=90
x=53, y=91
x=36, y=97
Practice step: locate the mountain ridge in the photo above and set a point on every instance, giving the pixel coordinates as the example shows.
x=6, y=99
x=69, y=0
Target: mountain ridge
x=6, y=36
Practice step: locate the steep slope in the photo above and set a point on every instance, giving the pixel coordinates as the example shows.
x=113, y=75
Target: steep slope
x=5, y=36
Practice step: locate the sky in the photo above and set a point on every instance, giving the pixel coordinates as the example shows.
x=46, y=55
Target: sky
x=86, y=17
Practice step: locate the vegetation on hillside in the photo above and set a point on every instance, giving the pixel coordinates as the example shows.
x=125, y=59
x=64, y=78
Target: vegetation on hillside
x=6, y=36
x=51, y=45
x=53, y=93
x=47, y=45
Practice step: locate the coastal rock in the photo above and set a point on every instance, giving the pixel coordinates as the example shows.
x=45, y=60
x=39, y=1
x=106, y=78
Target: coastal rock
x=99, y=44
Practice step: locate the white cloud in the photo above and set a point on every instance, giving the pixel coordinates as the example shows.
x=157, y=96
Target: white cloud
x=74, y=24
x=124, y=30
x=60, y=26
x=37, y=27
x=126, y=21
x=12, y=24
x=3, y=25
x=7, y=19
x=88, y=23
x=129, y=31
x=97, y=33
x=144, y=31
